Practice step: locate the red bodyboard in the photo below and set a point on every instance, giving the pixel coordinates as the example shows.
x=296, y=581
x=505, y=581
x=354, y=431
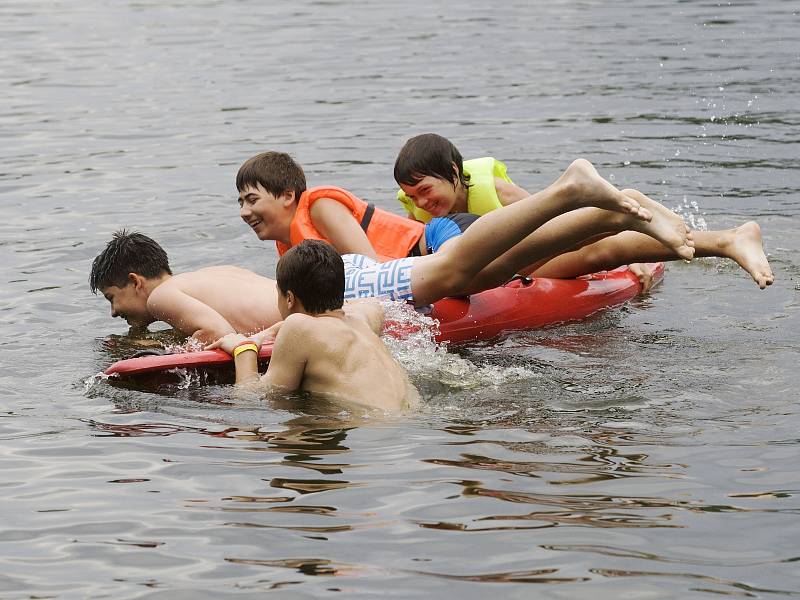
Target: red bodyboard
x=518, y=305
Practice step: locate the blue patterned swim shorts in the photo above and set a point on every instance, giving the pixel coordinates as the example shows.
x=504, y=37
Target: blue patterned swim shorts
x=367, y=278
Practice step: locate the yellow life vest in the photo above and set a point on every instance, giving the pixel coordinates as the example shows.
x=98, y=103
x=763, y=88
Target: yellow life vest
x=481, y=194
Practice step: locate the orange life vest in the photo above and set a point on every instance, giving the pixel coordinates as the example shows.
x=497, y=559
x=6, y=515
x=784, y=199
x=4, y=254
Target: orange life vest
x=391, y=235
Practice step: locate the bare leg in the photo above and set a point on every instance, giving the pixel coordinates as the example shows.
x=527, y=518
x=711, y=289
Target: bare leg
x=611, y=252
x=563, y=234
x=741, y=244
x=494, y=234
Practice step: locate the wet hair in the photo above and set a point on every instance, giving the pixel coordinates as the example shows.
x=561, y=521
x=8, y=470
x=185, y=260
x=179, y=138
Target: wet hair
x=314, y=272
x=428, y=154
x=277, y=172
x=127, y=252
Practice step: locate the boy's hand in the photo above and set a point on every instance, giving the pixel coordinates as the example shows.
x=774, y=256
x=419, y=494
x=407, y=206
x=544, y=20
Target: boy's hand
x=644, y=274
x=229, y=342
x=268, y=334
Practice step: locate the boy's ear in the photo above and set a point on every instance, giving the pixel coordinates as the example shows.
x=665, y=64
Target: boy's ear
x=456, y=174
x=293, y=303
x=288, y=198
x=137, y=280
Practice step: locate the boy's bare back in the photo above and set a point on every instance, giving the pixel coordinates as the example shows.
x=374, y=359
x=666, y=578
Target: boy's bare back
x=342, y=356
x=210, y=298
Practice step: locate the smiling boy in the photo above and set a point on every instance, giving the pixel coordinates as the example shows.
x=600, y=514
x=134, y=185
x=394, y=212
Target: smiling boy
x=275, y=202
x=436, y=181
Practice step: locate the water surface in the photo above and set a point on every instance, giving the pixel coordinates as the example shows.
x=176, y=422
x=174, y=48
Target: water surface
x=650, y=451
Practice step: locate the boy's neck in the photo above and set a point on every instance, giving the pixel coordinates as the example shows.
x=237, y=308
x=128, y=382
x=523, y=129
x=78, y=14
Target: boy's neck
x=286, y=234
x=336, y=313
x=152, y=283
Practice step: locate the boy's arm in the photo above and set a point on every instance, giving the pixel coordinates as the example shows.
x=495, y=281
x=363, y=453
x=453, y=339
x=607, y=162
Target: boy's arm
x=246, y=362
x=370, y=310
x=187, y=314
x=289, y=356
x=288, y=361
x=337, y=224
x=508, y=193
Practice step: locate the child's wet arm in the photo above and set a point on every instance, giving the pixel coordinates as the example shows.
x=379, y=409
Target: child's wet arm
x=508, y=193
x=189, y=315
x=340, y=228
x=246, y=364
x=289, y=358
x=244, y=350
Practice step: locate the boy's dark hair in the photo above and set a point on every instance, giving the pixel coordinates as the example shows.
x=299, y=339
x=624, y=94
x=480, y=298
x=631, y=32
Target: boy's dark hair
x=314, y=272
x=127, y=253
x=428, y=154
x=277, y=172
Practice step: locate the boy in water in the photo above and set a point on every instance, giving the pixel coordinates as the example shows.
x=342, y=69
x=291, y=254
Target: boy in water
x=133, y=274
x=322, y=346
x=435, y=181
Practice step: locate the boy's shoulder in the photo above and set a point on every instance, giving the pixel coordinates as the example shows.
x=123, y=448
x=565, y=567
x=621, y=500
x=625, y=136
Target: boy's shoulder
x=314, y=330
x=368, y=310
x=300, y=324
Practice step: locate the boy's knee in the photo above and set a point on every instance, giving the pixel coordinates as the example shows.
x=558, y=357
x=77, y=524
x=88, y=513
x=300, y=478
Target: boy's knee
x=601, y=256
x=455, y=281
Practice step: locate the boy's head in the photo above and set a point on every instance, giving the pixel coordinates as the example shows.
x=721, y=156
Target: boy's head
x=122, y=270
x=431, y=155
x=269, y=185
x=313, y=272
x=430, y=172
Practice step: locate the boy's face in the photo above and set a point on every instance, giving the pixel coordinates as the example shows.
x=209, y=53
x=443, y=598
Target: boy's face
x=269, y=216
x=129, y=303
x=432, y=194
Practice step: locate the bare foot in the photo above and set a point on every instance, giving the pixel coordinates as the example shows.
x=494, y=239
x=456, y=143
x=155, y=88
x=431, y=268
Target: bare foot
x=744, y=245
x=671, y=226
x=644, y=273
x=583, y=186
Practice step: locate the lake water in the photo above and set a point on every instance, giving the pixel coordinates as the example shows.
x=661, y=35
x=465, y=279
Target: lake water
x=649, y=452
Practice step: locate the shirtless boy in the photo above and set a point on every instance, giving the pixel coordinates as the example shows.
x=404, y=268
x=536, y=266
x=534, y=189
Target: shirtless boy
x=435, y=181
x=133, y=274
x=322, y=346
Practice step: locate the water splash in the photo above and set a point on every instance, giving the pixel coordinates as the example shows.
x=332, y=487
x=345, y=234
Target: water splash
x=90, y=382
x=188, y=378
x=190, y=345
x=409, y=335
x=690, y=211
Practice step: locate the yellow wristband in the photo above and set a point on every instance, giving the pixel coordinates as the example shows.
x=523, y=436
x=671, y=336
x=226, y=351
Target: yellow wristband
x=244, y=347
